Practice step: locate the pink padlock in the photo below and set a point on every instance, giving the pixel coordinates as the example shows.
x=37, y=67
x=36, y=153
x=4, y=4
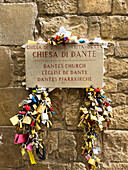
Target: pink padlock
x=87, y=156
x=20, y=138
x=100, y=109
x=29, y=147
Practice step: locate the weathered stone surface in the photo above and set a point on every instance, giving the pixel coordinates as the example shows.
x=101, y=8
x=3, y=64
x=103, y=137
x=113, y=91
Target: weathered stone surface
x=120, y=7
x=94, y=7
x=16, y=1
x=5, y=67
x=16, y=28
x=10, y=155
x=50, y=140
x=40, y=166
x=120, y=120
x=10, y=98
x=18, y=58
x=78, y=166
x=110, y=50
x=122, y=86
x=76, y=24
x=72, y=117
x=58, y=98
x=57, y=6
x=50, y=165
x=117, y=68
x=80, y=141
x=114, y=166
x=105, y=66
x=117, y=98
x=60, y=166
x=115, y=146
x=72, y=114
x=93, y=27
x=121, y=49
x=110, y=85
x=114, y=27
x=67, y=146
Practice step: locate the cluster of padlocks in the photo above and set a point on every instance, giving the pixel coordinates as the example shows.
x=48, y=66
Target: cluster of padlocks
x=34, y=110
x=96, y=111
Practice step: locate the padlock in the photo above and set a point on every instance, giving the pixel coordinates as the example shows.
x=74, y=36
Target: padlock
x=27, y=107
x=88, y=156
x=37, y=127
x=97, y=160
x=14, y=120
x=93, y=118
x=29, y=147
x=39, y=109
x=27, y=120
x=22, y=151
x=91, y=161
x=90, y=144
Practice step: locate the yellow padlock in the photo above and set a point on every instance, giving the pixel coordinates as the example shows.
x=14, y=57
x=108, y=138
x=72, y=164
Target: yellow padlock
x=37, y=127
x=91, y=161
x=27, y=120
x=90, y=144
x=14, y=120
x=39, y=109
x=97, y=160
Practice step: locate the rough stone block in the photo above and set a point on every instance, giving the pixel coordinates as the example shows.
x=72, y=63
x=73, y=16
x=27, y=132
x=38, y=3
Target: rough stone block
x=50, y=140
x=10, y=155
x=110, y=85
x=16, y=1
x=58, y=99
x=67, y=145
x=10, y=98
x=40, y=166
x=5, y=67
x=72, y=117
x=117, y=68
x=114, y=27
x=93, y=27
x=17, y=23
x=60, y=166
x=120, y=7
x=18, y=58
x=122, y=86
x=57, y=6
x=121, y=49
x=94, y=7
x=117, y=98
x=78, y=166
x=72, y=108
x=114, y=166
x=80, y=141
x=115, y=146
x=50, y=165
x=110, y=50
x=76, y=24
x=120, y=120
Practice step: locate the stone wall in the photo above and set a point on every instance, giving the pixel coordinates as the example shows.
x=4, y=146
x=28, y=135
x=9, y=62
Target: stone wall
x=22, y=20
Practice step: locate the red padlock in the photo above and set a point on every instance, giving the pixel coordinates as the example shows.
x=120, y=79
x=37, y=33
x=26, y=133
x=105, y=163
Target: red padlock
x=27, y=107
x=32, y=124
x=106, y=103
